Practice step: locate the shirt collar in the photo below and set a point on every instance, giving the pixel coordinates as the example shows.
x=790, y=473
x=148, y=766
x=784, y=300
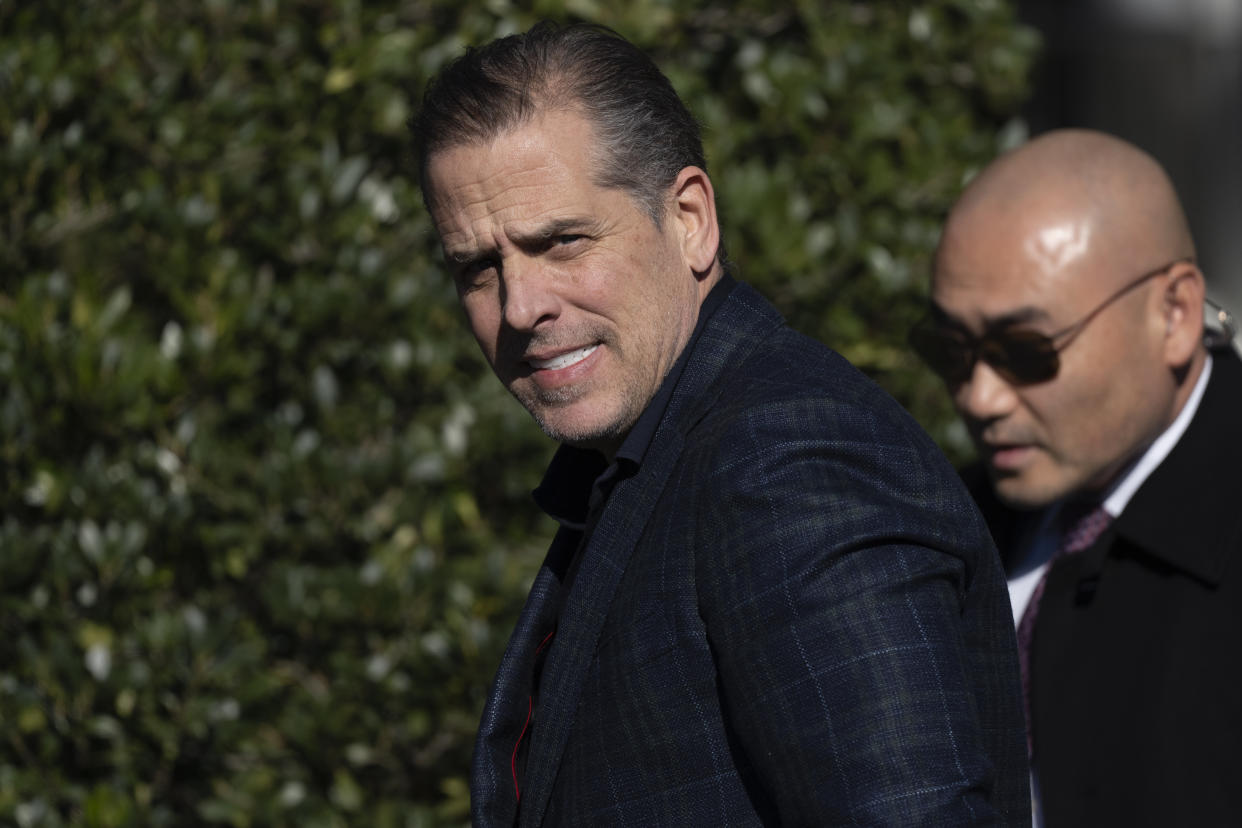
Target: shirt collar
x=1119, y=496
x=564, y=494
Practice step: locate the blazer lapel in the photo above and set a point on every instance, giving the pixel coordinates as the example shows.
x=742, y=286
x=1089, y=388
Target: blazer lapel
x=493, y=790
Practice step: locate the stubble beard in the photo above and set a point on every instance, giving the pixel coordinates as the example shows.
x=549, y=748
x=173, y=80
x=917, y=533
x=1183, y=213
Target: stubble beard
x=545, y=405
x=620, y=398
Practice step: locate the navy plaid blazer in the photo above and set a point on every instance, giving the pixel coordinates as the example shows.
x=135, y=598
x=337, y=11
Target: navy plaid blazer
x=792, y=614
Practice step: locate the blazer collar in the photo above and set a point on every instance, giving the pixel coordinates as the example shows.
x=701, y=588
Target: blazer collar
x=1186, y=513
x=732, y=332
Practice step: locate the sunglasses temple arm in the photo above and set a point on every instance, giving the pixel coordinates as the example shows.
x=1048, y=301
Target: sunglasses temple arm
x=1220, y=327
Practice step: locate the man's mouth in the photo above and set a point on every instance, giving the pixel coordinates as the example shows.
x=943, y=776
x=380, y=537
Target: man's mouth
x=564, y=360
x=1008, y=456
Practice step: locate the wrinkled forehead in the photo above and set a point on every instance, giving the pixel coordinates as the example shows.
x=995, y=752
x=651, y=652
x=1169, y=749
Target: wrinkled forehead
x=519, y=178
x=470, y=184
x=566, y=126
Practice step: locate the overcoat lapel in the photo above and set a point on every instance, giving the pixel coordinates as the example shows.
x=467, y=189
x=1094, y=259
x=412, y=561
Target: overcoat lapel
x=1196, y=482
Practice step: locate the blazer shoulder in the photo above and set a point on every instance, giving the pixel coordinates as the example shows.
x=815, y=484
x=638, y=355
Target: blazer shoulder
x=800, y=416
x=805, y=385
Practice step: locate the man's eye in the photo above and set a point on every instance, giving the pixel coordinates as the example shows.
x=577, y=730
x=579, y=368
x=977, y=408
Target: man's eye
x=474, y=275
x=565, y=244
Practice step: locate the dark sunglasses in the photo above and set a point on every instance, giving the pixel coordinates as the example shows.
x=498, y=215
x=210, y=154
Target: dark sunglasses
x=1021, y=355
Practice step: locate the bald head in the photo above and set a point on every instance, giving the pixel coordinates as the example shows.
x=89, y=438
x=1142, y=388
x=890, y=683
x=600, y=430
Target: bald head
x=1073, y=191
x=1075, y=242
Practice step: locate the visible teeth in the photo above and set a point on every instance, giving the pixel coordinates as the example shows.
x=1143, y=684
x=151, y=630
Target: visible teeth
x=564, y=360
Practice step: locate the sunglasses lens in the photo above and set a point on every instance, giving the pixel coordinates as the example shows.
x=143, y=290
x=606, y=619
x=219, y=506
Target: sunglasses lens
x=1022, y=357
x=948, y=355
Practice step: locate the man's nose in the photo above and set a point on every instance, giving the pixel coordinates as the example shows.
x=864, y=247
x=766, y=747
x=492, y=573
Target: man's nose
x=528, y=294
x=985, y=395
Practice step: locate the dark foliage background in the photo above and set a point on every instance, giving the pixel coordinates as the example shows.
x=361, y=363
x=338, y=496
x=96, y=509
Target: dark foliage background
x=264, y=524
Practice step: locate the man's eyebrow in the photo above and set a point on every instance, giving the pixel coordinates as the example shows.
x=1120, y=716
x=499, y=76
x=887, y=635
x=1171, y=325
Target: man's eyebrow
x=568, y=225
x=463, y=257
x=1018, y=316
x=536, y=237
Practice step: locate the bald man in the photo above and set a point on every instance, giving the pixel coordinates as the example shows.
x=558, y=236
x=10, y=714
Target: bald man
x=1067, y=322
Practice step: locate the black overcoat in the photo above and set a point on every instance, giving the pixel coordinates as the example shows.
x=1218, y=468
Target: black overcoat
x=1137, y=651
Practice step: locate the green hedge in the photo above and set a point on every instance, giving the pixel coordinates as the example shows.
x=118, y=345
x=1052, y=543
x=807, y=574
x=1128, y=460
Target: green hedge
x=264, y=516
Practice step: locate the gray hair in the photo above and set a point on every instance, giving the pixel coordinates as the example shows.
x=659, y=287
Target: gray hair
x=645, y=134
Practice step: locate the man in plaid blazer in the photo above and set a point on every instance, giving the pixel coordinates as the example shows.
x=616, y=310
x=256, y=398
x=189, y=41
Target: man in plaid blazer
x=770, y=600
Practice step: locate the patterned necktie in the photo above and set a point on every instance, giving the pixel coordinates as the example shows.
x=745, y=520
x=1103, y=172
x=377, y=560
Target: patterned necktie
x=1081, y=524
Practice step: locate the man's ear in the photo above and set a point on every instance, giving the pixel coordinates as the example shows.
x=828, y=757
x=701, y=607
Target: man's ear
x=1182, y=306
x=694, y=211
